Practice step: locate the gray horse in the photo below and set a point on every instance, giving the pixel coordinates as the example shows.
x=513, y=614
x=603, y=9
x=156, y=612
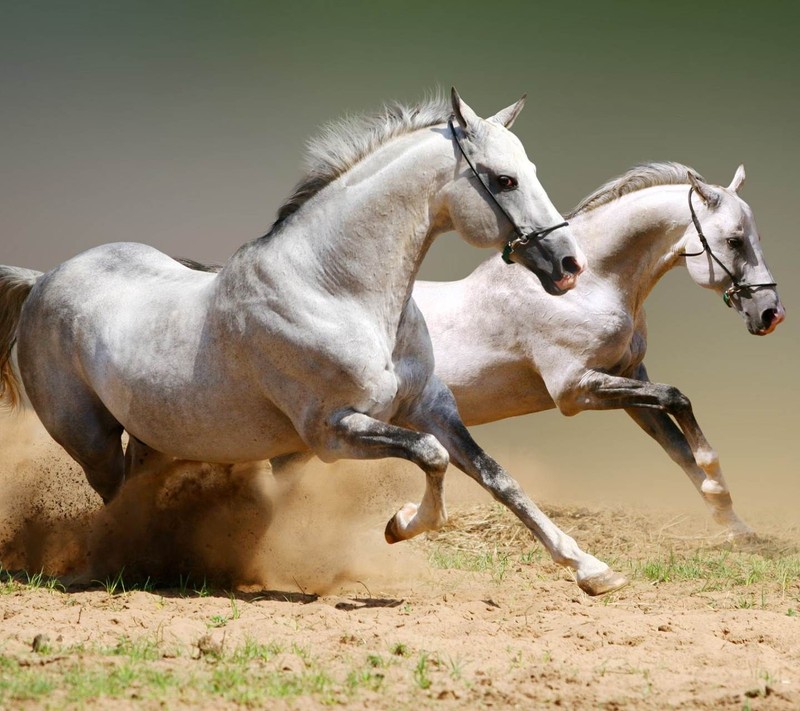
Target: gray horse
x=307, y=339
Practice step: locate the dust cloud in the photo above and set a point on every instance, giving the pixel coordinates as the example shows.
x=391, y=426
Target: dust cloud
x=45, y=507
x=312, y=529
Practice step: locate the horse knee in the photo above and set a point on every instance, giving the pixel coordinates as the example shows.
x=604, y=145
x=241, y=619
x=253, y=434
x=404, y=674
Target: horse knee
x=431, y=454
x=676, y=401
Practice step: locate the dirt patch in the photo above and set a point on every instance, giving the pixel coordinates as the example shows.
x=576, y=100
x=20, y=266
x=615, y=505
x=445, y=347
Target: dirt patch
x=282, y=593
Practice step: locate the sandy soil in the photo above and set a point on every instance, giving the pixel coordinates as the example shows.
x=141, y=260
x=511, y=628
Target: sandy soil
x=315, y=582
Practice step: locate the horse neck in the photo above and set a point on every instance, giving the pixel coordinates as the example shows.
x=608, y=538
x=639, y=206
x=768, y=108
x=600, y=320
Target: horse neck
x=635, y=240
x=365, y=234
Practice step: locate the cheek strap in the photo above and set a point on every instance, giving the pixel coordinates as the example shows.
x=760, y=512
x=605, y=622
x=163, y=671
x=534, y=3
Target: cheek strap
x=736, y=286
x=522, y=238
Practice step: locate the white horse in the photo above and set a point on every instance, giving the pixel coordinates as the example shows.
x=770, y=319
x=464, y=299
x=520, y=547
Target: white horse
x=307, y=339
x=505, y=348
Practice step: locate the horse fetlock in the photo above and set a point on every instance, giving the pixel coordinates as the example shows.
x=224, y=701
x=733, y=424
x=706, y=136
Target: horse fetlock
x=721, y=506
x=724, y=515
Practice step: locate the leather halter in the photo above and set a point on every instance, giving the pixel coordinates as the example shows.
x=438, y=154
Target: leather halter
x=522, y=238
x=736, y=286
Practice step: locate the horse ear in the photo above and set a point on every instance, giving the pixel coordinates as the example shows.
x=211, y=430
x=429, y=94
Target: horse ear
x=707, y=194
x=738, y=180
x=508, y=115
x=466, y=117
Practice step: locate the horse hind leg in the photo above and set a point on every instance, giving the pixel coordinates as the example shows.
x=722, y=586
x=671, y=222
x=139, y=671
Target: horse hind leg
x=92, y=437
x=99, y=452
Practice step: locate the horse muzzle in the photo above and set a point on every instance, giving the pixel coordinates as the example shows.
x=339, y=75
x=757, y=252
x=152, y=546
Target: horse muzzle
x=770, y=318
x=572, y=268
x=556, y=265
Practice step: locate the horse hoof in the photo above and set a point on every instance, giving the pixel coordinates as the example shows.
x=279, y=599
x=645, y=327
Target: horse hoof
x=603, y=583
x=397, y=528
x=741, y=534
x=390, y=532
x=743, y=538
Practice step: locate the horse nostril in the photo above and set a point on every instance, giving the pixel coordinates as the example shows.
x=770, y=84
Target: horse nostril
x=570, y=265
x=768, y=316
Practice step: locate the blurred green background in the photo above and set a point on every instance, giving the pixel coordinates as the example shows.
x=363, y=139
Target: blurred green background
x=182, y=124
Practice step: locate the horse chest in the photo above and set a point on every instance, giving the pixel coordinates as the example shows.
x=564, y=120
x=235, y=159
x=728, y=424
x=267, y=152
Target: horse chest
x=602, y=336
x=338, y=359
x=606, y=339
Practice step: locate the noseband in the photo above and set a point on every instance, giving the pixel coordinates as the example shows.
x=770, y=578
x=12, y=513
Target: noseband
x=522, y=238
x=736, y=286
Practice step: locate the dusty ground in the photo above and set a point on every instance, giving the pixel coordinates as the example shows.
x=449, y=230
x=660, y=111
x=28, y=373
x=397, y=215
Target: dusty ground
x=256, y=593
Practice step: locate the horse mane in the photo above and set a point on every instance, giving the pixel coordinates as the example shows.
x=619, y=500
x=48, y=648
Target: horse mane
x=644, y=175
x=196, y=266
x=343, y=143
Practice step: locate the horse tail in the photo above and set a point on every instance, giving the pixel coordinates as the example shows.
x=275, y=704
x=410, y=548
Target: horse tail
x=15, y=285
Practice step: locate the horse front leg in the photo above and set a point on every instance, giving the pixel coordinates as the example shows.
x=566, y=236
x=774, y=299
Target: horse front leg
x=663, y=430
x=354, y=435
x=601, y=391
x=437, y=413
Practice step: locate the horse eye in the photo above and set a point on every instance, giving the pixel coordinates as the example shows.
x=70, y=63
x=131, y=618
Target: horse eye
x=506, y=182
x=735, y=242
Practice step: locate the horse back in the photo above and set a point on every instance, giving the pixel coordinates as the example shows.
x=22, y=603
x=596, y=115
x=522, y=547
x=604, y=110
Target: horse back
x=113, y=310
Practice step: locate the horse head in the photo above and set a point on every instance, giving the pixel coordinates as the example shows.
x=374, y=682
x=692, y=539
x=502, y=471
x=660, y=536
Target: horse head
x=497, y=200
x=723, y=251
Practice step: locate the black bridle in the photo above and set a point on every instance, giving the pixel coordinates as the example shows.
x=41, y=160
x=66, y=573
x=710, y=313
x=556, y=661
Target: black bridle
x=522, y=238
x=736, y=286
